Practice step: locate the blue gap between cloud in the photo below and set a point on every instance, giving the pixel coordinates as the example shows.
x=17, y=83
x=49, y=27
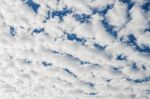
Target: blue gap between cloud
x=144, y=67
x=12, y=31
x=134, y=67
x=133, y=42
x=109, y=28
x=38, y=30
x=100, y=47
x=82, y=18
x=131, y=39
x=147, y=30
x=92, y=94
x=58, y=13
x=46, y=64
x=144, y=80
x=121, y=57
x=48, y=16
x=69, y=72
x=73, y=37
x=116, y=69
x=33, y=5
x=146, y=6
x=103, y=11
x=129, y=3
x=90, y=84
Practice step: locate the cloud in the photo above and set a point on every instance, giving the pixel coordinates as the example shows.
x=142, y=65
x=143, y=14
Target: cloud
x=73, y=49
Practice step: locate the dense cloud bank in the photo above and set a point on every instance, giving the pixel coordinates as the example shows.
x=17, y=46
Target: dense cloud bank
x=74, y=49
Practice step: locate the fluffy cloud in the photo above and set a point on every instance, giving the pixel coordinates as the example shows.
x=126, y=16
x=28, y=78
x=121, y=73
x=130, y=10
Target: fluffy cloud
x=73, y=49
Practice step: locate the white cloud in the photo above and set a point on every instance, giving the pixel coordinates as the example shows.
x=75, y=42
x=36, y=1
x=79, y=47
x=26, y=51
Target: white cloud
x=117, y=16
x=77, y=71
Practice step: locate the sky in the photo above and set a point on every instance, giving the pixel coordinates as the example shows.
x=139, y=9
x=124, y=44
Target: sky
x=74, y=49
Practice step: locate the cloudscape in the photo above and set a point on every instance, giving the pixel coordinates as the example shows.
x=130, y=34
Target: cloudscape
x=74, y=49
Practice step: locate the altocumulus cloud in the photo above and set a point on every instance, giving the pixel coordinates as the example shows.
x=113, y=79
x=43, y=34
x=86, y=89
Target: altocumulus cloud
x=74, y=49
